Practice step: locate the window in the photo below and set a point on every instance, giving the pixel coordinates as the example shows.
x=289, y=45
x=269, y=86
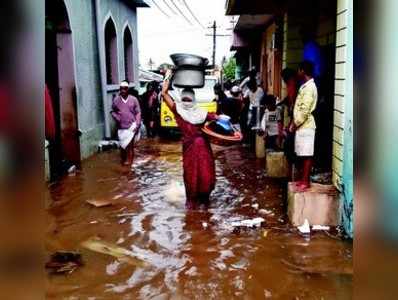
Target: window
x=112, y=75
x=128, y=55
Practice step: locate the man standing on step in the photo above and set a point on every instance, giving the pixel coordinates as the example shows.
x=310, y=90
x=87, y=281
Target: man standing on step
x=304, y=123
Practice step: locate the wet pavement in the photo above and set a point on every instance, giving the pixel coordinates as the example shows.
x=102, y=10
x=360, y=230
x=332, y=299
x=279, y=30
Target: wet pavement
x=188, y=254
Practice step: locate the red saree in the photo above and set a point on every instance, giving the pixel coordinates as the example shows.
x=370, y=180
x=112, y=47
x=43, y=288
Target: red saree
x=198, y=162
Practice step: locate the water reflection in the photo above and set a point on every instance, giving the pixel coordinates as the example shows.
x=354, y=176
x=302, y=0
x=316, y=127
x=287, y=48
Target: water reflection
x=189, y=254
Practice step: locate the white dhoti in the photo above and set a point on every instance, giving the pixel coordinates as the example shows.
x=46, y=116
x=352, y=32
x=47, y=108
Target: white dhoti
x=304, y=142
x=126, y=136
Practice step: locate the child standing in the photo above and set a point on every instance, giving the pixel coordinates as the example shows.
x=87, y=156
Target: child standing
x=269, y=123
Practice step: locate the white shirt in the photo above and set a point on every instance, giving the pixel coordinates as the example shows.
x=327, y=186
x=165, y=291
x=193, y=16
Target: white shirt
x=124, y=100
x=255, y=98
x=269, y=123
x=305, y=105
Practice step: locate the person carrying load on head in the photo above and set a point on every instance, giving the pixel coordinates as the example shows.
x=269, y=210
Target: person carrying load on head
x=198, y=160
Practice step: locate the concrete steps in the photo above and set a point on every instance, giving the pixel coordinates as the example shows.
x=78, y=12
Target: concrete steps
x=276, y=164
x=319, y=204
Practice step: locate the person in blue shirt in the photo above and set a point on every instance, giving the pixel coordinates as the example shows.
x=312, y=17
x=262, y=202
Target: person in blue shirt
x=312, y=52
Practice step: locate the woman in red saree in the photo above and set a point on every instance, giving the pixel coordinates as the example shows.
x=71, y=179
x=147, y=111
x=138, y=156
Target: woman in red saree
x=198, y=160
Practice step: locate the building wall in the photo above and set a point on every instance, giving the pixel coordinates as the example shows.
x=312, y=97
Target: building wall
x=87, y=69
x=343, y=113
x=292, y=41
x=89, y=100
x=293, y=44
x=341, y=35
x=270, y=62
x=340, y=92
x=122, y=15
x=284, y=52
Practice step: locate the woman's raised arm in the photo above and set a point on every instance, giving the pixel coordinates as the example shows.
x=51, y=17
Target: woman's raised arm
x=165, y=92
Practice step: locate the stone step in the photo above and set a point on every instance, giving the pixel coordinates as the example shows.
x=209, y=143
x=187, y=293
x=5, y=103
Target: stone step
x=276, y=164
x=319, y=204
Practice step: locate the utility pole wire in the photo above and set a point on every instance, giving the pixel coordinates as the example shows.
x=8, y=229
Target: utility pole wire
x=168, y=5
x=215, y=35
x=190, y=11
x=219, y=35
x=153, y=1
x=214, y=43
x=182, y=14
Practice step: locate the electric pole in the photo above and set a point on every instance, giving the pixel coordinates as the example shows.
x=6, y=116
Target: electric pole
x=214, y=42
x=215, y=35
x=151, y=63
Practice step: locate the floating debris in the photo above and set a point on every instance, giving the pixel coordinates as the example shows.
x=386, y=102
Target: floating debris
x=122, y=221
x=320, y=227
x=126, y=215
x=267, y=294
x=97, y=245
x=249, y=222
x=255, y=205
x=120, y=241
x=205, y=225
x=112, y=268
x=107, y=145
x=72, y=169
x=117, y=197
x=305, y=228
x=62, y=262
x=99, y=202
x=265, y=212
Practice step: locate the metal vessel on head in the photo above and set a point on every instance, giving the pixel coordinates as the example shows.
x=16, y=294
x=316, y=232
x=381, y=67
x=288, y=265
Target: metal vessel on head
x=190, y=70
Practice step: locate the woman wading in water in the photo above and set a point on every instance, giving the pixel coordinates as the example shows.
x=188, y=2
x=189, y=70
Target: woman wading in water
x=198, y=160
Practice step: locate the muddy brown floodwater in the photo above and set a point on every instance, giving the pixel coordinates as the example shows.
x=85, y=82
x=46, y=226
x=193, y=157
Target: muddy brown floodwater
x=188, y=254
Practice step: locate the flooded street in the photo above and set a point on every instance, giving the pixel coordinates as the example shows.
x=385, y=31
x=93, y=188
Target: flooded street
x=184, y=254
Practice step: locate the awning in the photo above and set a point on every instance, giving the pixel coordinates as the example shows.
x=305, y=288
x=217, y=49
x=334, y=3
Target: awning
x=239, y=41
x=140, y=3
x=136, y=3
x=248, y=29
x=250, y=22
x=278, y=7
x=254, y=7
x=147, y=76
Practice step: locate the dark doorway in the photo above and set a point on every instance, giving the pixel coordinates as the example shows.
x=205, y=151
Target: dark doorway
x=60, y=79
x=128, y=55
x=112, y=74
x=324, y=113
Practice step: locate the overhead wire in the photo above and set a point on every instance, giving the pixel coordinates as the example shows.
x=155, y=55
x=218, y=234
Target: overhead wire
x=163, y=12
x=181, y=13
x=162, y=33
x=169, y=6
x=193, y=15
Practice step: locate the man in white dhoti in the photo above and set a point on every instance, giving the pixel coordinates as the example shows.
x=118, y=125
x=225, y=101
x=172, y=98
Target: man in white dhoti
x=127, y=114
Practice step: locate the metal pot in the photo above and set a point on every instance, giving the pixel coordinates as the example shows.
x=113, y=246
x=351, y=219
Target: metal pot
x=189, y=77
x=183, y=59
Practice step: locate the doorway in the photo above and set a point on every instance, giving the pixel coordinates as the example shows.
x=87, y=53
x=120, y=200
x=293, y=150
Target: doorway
x=60, y=79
